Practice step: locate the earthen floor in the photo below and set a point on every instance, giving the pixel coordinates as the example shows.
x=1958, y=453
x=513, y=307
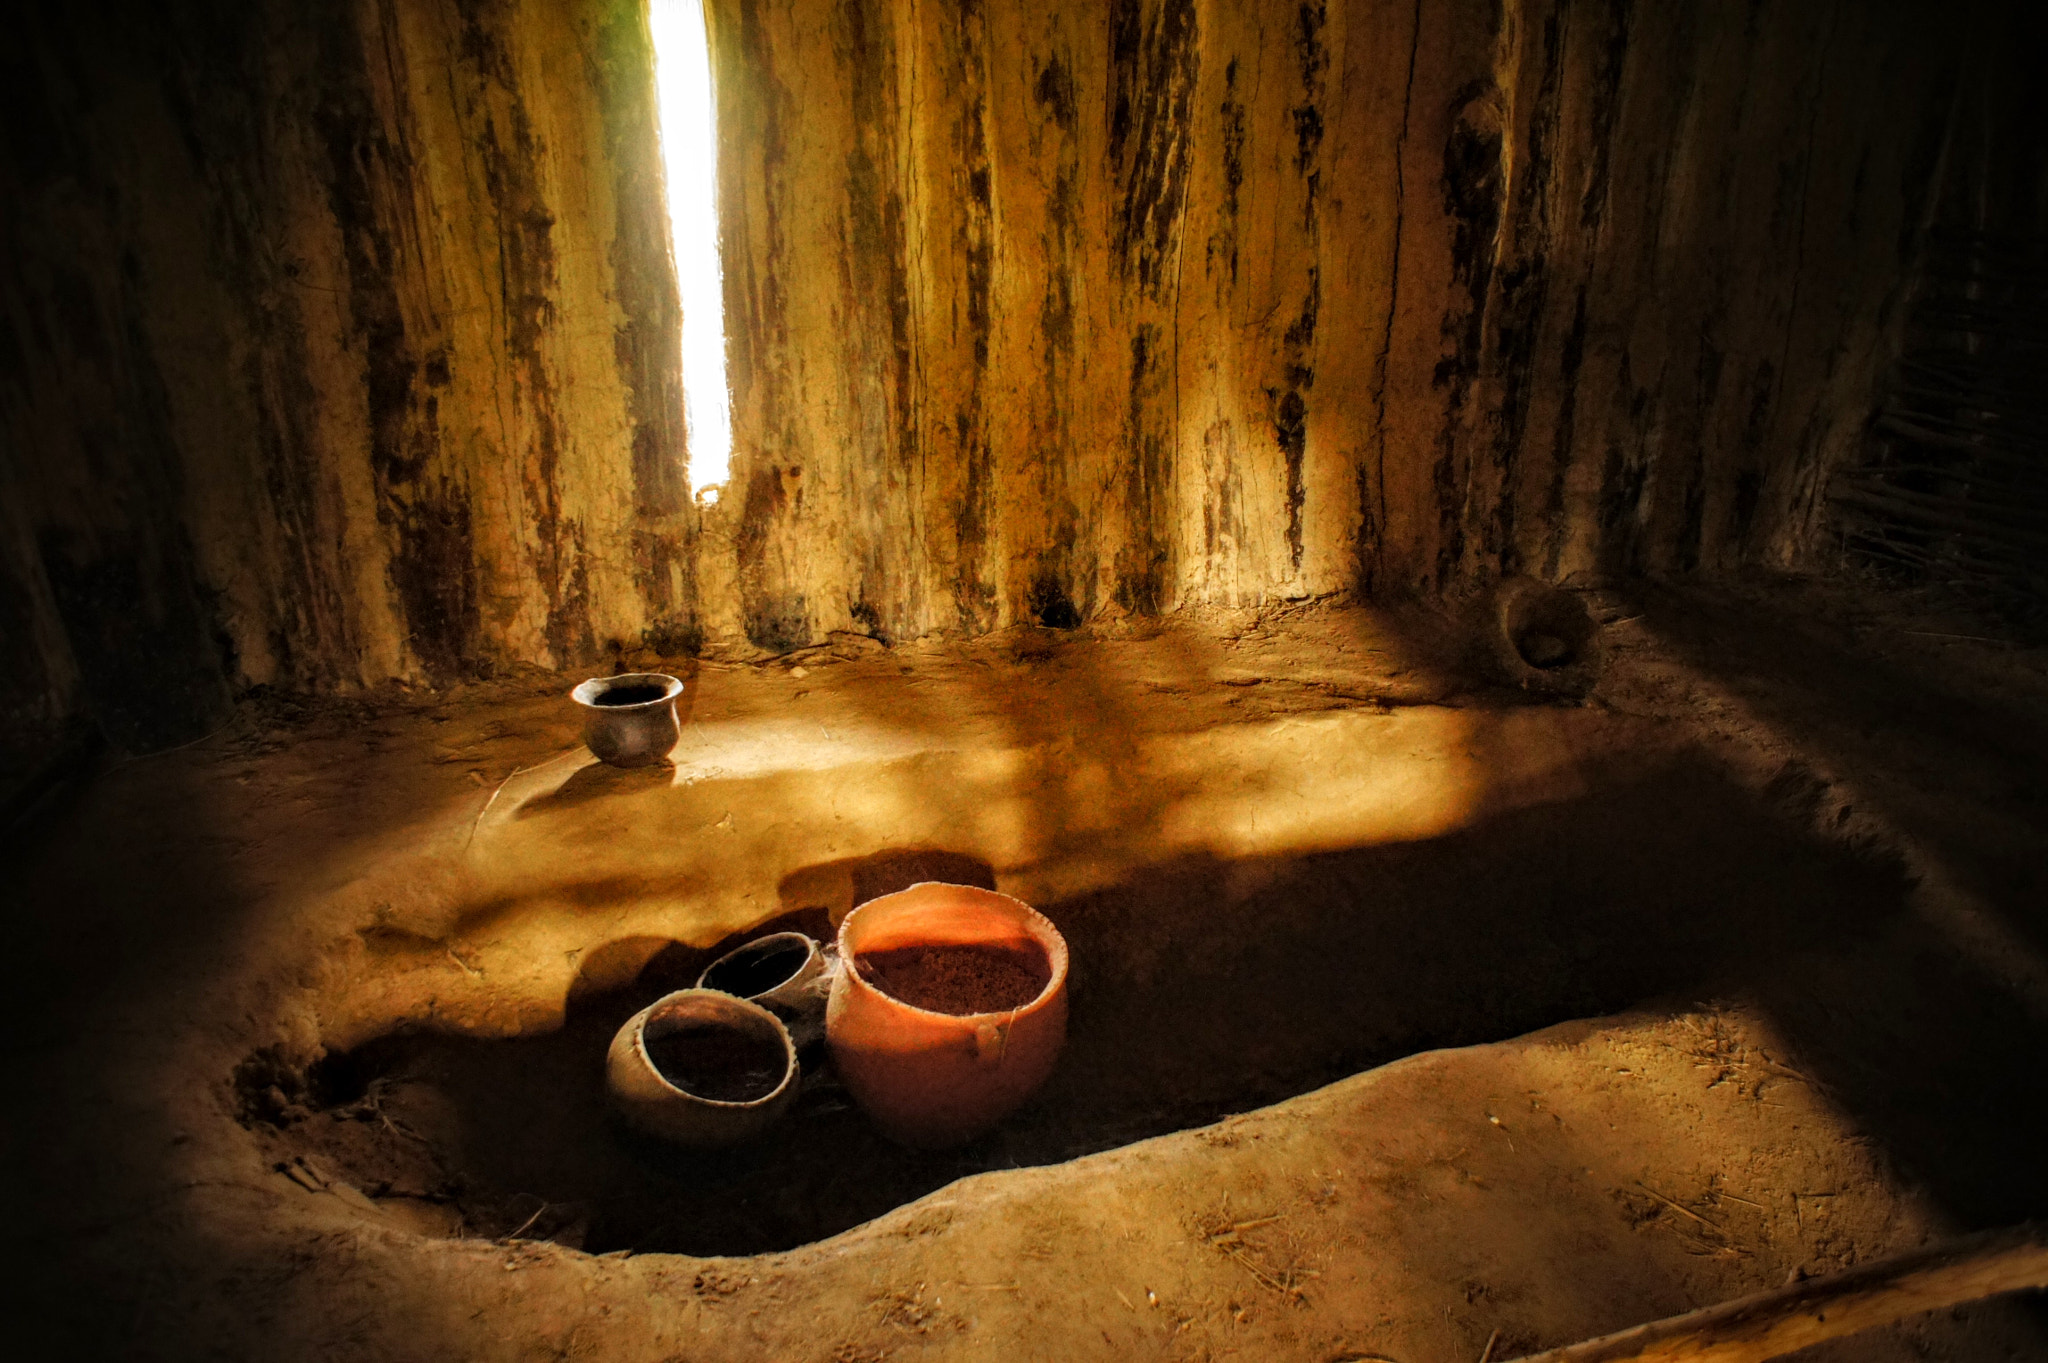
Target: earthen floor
x=1414, y=1017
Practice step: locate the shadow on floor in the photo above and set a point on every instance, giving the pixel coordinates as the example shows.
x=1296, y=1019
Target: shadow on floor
x=1943, y=1065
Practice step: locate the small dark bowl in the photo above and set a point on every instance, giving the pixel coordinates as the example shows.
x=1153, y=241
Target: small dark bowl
x=630, y=720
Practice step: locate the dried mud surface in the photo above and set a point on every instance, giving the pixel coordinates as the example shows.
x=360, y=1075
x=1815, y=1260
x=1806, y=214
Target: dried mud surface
x=1744, y=977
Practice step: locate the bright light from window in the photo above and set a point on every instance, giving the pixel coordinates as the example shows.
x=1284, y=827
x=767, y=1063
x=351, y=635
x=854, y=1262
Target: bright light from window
x=682, y=85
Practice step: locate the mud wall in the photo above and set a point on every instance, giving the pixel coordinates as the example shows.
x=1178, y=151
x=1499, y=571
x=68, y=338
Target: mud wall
x=339, y=344
x=339, y=337
x=1046, y=309
x=1951, y=489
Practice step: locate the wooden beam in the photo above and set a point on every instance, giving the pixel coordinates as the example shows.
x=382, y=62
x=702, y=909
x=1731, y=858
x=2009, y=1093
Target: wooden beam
x=1769, y=1324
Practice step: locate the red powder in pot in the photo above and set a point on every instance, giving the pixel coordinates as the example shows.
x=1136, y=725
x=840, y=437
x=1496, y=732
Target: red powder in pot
x=975, y=978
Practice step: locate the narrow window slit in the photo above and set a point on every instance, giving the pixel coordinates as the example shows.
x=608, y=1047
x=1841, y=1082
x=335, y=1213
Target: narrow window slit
x=683, y=94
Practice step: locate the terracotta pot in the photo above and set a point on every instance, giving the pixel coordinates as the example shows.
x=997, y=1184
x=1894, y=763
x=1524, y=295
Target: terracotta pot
x=787, y=973
x=937, y=1079
x=630, y=720
x=646, y=1099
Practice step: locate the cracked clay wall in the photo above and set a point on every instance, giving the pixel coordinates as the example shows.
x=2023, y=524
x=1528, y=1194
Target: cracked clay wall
x=338, y=337
x=340, y=345
x=1046, y=309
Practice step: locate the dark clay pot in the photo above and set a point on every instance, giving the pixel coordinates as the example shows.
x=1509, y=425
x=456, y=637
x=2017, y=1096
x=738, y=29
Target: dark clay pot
x=1544, y=638
x=787, y=973
x=630, y=720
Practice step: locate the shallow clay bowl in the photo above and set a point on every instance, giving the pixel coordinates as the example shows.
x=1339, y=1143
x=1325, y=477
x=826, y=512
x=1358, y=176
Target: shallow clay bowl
x=649, y=1103
x=787, y=973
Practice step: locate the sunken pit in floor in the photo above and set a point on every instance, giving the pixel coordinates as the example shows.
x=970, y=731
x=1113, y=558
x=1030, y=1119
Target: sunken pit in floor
x=1201, y=985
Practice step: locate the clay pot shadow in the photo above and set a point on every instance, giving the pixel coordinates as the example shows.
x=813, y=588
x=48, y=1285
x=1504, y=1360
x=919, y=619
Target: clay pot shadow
x=595, y=782
x=838, y=887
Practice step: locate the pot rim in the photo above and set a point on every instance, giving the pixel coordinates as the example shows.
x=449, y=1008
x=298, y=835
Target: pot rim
x=585, y=693
x=790, y=1068
x=1056, y=951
